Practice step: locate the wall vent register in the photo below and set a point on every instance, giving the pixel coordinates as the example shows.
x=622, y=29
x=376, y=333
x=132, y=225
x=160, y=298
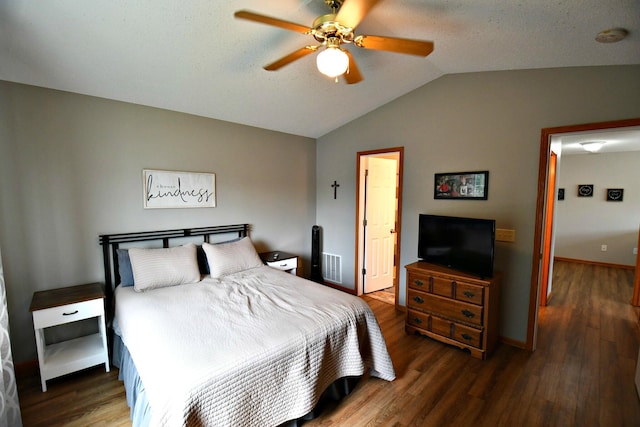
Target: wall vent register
x=332, y=268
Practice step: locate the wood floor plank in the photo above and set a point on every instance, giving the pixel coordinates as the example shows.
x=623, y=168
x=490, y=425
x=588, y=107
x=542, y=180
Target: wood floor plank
x=581, y=375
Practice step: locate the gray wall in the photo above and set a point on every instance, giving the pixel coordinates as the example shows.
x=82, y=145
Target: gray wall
x=583, y=224
x=71, y=169
x=465, y=122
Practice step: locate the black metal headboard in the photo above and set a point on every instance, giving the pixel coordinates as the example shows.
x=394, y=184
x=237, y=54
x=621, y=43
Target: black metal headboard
x=111, y=242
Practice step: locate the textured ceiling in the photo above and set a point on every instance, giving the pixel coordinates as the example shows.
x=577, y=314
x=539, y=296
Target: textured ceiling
x=195, y=57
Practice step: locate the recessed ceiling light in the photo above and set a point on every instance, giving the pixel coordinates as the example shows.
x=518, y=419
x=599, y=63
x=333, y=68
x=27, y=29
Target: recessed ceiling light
x=592, y=146
x=611, y=35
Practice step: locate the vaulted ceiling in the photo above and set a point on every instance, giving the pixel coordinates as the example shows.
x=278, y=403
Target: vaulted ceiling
x=195, y=57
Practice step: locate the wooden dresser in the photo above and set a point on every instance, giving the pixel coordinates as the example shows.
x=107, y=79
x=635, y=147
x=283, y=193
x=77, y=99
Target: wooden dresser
x=453, y=307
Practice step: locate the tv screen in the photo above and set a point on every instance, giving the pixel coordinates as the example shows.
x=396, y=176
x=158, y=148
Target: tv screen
x=464, y=244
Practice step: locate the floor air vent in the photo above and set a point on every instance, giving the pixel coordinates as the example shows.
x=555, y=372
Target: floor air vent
x=332, y=268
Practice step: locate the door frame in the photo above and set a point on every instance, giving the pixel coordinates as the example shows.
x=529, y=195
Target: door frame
x=399, y=151
x=543, y=171
x=635, y=299
x=548, y=241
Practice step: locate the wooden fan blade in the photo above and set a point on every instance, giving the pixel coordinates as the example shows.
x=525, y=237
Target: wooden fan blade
x=263, y=19
x=392, y=44
x=352, y=12
x=353, y=74
x=288, y=59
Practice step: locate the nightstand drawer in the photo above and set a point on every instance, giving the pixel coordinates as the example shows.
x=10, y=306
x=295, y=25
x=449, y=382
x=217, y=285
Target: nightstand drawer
x=284, y=264
x=67, y=313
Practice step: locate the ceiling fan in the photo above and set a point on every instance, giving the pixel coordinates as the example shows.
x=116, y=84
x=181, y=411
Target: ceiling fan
x=334, y=30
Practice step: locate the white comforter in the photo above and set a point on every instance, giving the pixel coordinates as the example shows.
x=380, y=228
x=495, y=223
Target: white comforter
x=254, y=348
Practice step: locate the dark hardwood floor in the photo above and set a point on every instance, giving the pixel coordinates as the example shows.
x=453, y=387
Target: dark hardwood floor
x=581, y=375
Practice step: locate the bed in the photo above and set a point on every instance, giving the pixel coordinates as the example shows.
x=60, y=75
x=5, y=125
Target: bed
x=241, y=343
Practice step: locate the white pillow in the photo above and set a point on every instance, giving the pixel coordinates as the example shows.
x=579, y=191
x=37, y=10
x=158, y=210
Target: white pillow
x=158, y=268
x=229, y=258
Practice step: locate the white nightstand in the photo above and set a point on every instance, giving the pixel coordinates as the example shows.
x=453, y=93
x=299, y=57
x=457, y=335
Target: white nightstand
x=62, y=306
x=281, y=260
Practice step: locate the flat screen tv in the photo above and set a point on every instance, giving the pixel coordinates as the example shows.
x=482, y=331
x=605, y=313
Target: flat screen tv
x=463, y=244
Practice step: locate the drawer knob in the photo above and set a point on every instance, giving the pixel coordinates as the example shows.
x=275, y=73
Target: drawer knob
x=468, y=314
x=418, y=299
x=70, y=314
x=466, y=337
x=469, y=294
x=418, y=282
x=417, y=320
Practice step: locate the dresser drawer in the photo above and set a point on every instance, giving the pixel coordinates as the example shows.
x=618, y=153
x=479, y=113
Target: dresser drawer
x=68, y=313
x=447, y=288
x=418, y=282
x=418, y=319
x=456, y=310
x=470, y=293
x=446, y=328
x=432, y=284
x=442, y=287
x=440, y=326
x=284, y=264
x=467, y=335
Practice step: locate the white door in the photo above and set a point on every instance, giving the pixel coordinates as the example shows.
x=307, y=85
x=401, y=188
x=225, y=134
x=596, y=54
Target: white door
x=380, y=212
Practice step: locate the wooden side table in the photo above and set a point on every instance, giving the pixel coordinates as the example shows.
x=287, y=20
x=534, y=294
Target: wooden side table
x=281, y=260
x=63, y=306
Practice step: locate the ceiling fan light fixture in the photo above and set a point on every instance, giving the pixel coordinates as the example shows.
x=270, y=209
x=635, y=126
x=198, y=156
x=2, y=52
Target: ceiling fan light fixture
x=333, y=30
x=332, y=61
x=592, y=146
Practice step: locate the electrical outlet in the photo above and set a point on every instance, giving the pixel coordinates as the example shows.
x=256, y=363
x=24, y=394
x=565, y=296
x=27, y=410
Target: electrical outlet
x=603, y=248
x=504, y=235
x=635, y=251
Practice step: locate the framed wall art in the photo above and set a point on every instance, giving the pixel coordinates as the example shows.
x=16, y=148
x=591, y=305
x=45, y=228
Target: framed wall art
x=461, y=185
x=615, y=194
x=560, y=193
x=171, y=189
x=585, y=190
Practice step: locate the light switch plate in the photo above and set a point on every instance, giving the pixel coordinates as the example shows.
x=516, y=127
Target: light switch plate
x=505, y=235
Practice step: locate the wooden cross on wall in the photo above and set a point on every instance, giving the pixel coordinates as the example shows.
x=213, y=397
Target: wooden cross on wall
x=335, y=186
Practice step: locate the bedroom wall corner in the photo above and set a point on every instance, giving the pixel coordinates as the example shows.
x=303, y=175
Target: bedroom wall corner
x=71, y=169
x=467, y=122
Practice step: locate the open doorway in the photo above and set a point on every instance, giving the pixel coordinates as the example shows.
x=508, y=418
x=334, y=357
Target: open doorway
x=378, y=213
x=542, y=258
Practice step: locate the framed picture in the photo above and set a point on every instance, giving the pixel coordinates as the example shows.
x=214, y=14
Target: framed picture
x=615, y=194
x=560, y=193
x=171, y=189
x=585, y=190
x=461, y=185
